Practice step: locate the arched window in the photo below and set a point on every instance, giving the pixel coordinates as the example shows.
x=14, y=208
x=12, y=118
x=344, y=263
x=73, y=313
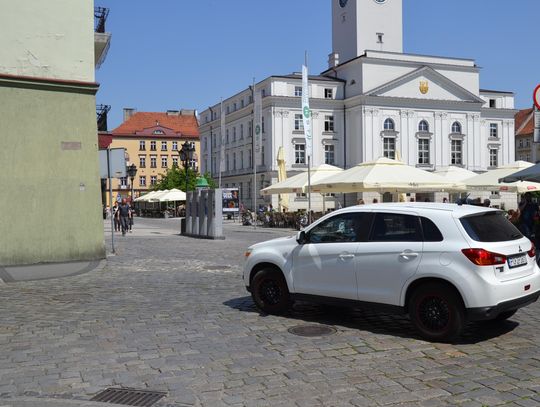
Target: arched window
x=389, y=124
x=456, y=128
x=423, y=126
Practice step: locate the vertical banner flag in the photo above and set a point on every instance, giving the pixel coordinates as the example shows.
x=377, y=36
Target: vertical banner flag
x=306, y=112
x=222, y=141
x=257, y=127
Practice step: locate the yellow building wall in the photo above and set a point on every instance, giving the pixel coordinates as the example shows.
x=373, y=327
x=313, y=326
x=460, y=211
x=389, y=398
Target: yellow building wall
x=134, y=153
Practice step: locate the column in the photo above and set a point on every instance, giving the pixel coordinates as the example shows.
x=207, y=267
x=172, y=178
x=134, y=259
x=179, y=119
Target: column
x=444, y=140
x=367, y=136
x=438, y=140
x=403, y=146
x=475, y=164
x=483, y=146
x=412, y=142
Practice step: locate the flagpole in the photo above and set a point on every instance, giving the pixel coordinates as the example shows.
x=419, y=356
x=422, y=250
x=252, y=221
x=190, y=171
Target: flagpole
x=310, y=146
x=254, y=157
x=221, y=143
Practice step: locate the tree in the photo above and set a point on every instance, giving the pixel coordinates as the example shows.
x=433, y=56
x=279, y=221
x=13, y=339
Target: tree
x=176, y=178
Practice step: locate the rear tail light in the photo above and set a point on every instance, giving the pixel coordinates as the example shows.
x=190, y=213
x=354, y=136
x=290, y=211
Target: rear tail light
x=482, y=257
x=532, y=252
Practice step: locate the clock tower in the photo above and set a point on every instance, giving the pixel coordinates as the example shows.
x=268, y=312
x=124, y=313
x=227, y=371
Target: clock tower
x=360, y=25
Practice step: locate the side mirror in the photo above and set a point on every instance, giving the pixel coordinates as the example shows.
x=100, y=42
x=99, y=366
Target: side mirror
x=301, y=237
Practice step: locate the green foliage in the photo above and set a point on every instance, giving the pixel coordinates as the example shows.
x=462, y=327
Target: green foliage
x=176, y=178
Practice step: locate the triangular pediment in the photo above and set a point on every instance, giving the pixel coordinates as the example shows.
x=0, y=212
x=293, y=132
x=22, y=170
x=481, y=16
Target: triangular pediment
x=425, y=83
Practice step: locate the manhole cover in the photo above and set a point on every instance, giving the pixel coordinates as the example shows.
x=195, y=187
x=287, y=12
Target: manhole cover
x=218, y=267
x=72, y=297
x=129, y=397
x=312, y=330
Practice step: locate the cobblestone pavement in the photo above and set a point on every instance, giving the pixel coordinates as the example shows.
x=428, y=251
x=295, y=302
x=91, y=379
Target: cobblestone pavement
x=171, y=314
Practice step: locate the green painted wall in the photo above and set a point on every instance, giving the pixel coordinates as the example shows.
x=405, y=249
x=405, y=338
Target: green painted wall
x=50, y=205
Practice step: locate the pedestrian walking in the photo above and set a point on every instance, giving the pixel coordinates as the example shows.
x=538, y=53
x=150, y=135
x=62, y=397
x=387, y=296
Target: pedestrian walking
x=116, y=217
x=124, y=212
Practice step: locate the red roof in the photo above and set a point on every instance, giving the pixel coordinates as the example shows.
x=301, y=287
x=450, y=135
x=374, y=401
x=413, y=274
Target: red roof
x=144, y=123
x=524, y=122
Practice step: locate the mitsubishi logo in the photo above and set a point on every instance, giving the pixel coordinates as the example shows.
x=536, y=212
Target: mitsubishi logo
x=520, y=249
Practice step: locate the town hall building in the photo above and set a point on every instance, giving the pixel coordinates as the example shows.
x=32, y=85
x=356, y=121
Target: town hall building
x=373, y=101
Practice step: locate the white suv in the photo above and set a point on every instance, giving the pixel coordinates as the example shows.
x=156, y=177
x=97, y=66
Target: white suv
x=442, y=264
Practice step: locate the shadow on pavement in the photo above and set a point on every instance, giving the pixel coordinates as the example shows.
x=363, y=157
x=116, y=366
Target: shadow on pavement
x=374, y=321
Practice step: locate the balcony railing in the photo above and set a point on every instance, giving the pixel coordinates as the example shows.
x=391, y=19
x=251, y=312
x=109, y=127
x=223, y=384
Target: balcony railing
x=100, y=17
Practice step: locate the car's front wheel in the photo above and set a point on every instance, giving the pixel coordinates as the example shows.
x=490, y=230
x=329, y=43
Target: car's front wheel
x=437, y=312
x=270, y=292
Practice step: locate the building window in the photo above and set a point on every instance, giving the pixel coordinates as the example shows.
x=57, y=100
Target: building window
x=456, y=128
x=142, y=161
x=242, y=103
x=175, y=161
x=456, y=150
x=298, y=122
x=380, y=38
x=241, y=159
x=389, y=125
x=234, y=134
x=389, y=147
x=227, y=136
x=329, y=123
x=423, y=127
x=153, y=161
x=262, y=155
x=528, y=143
x=153, y=179
x=492, y=103
x=234, y=161
x=175, y=145
x=263, y=93
x=329, y=93
x=262, y=123
x=241, y=132
x=423, y=151
x=298, y=91
x=152, y=146
x=329, y=154
x=163, y=146
x=520, y=143
x=214, y=141
x=493, y=157
x=227, y=162
x=493, y=130
x=123, y=181
x=249, y=159
x=234, y=106
x=163, y=161
x=142, y=145
x=299, y=153
x=142, y=180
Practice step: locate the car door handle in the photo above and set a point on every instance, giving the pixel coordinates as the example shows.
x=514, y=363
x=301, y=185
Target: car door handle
x=346, y=256
x=408, y=255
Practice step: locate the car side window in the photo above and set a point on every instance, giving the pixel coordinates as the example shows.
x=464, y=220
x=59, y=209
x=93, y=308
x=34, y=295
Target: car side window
x=343, y=228
x=431, y=231
x=395, y=227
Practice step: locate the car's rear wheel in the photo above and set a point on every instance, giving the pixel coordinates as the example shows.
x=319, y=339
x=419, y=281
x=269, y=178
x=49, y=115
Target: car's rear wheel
x=270, y=292
x=437, y=312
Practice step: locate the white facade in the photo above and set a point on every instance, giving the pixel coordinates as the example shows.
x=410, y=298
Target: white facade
x=428, y=111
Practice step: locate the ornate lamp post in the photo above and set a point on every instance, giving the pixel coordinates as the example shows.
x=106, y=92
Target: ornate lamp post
x=131, y=172
x=186, y=154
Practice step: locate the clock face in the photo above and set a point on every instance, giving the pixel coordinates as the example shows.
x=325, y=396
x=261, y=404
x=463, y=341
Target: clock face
x=343, y=3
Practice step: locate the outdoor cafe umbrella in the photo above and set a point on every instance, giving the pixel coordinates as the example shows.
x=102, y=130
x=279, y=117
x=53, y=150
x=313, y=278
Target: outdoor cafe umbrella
x=173, y=195
x=147, y=197
x=299, y=183
x=454, y=173
x=385, y=175
x=531, y=174
x=489, y=181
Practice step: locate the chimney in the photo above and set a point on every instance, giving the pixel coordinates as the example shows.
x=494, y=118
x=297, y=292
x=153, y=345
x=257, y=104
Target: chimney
x=128, y=112
x=187, y=112
x=173, y=113
x=333, y=60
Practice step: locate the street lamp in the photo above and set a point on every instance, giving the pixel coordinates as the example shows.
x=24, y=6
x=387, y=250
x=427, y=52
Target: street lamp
x=131, y=172
x=186, y=154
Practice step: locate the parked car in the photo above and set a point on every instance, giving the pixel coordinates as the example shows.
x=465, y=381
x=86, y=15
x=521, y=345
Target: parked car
x=441, y=264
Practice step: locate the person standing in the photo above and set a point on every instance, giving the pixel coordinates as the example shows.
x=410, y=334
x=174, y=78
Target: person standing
x=528, y=211
x=116, y=217
x=124, y=212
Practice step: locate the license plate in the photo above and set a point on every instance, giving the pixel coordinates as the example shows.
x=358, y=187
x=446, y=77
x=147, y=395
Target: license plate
x=517, y=261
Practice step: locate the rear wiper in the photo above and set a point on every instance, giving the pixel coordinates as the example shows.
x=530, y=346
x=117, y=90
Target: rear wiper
x=515, y=235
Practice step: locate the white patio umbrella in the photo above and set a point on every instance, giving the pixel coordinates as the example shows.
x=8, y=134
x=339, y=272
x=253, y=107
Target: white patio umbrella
x=489, y=181
x=385, y=175
x=173, y=195
x=299, y=183
x=157, y=196
x=454, y=173
x=146, y=197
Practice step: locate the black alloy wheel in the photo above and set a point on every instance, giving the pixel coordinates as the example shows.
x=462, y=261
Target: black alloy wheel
x=437, y=312
x=270, y=292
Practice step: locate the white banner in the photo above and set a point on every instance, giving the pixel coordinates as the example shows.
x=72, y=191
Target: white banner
x=306, y=112
x=222, y=141
x=257, y=127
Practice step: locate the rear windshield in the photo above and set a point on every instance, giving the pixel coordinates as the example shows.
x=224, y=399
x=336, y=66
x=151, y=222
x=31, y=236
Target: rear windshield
x=490, y=227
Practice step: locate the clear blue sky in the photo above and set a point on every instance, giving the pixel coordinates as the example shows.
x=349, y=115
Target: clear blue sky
x=171, y=54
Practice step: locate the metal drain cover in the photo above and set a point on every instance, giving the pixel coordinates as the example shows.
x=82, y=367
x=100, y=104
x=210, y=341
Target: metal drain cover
x=129, y=397
x=312, y=330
